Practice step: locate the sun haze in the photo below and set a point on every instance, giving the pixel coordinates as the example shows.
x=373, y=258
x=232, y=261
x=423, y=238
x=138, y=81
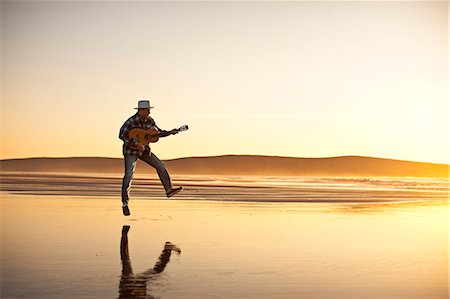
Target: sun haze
x=299, y=79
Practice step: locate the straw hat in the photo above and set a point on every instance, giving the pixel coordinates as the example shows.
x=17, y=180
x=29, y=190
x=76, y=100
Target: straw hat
x=144, y=105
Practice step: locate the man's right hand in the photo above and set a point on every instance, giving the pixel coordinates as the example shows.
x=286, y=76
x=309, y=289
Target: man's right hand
x=138, y=147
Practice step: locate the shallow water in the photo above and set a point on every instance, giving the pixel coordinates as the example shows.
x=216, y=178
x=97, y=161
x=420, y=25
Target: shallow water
x=57, y=246
x=226, y=188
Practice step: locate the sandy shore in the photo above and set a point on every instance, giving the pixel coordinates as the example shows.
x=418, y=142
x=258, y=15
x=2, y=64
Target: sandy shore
x=57, y=246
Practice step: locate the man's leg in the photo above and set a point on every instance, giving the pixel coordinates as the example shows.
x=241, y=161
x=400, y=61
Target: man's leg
x=124, y=253
x=130, y=165
x=163, y=260
x=153, y=161
x=126, y=284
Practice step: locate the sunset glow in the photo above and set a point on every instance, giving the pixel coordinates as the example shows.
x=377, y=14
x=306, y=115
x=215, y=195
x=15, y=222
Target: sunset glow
x=299, y=79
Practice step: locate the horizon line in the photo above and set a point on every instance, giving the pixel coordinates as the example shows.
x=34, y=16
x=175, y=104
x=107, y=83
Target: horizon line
x=231, y=155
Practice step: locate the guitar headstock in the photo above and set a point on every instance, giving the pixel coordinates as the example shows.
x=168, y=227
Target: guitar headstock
x=183, y=128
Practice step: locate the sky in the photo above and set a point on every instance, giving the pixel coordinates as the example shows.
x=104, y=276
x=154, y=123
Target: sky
x=298, y=79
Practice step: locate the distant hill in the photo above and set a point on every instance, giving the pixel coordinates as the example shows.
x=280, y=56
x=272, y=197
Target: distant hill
x=241, y=165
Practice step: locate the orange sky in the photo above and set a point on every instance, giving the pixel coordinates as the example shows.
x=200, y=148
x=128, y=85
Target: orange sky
x=302, y=79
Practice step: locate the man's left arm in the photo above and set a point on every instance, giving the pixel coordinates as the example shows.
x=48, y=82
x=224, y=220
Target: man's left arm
x=164, y=133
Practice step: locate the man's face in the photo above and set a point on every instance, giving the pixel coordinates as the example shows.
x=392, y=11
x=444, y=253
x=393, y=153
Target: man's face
x=143, y=112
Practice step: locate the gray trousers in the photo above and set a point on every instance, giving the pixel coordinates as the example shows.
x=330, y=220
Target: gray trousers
x=130, y=166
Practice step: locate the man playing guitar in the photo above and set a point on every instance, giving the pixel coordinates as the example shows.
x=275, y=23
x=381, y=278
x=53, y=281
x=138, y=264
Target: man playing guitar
x=135, y=148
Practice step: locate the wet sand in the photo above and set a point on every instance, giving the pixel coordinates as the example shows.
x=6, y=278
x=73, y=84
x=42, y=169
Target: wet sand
x=75, y=245
x=229, y=188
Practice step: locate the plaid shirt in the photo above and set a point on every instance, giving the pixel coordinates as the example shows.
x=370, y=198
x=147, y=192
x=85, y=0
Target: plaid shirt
x=130, y=144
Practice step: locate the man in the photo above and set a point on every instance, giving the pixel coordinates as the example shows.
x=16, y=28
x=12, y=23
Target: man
x=133, y=150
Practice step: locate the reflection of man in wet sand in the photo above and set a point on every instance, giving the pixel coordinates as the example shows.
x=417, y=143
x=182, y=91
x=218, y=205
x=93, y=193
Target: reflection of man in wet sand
x=135, y=285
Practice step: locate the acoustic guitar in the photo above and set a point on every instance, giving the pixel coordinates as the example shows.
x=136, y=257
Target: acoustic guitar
x=152, y=135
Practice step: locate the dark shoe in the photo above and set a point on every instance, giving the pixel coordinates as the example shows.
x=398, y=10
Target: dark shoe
x=126, y=211
x=173, y=191
x=170, y=246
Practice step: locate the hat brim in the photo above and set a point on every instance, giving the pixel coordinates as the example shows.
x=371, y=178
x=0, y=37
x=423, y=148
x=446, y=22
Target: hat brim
x=145, y=108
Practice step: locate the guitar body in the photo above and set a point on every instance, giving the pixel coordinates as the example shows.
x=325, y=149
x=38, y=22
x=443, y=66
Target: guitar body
x=152, y=135
x=144, y=136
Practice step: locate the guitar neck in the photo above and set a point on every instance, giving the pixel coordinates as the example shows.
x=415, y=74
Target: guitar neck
x=171, y=132
x=163, y=134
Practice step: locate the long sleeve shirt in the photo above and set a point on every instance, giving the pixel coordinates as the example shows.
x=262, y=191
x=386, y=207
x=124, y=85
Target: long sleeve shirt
x=130, y=145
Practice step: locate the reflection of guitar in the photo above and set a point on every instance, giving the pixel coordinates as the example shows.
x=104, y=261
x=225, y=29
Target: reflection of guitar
x=152, y=135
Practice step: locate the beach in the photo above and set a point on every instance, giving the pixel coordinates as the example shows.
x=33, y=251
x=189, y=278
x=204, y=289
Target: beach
x=311, y=139
x=64, y=236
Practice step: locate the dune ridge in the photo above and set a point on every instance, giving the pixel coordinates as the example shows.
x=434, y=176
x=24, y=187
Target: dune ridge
x=241, y=165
